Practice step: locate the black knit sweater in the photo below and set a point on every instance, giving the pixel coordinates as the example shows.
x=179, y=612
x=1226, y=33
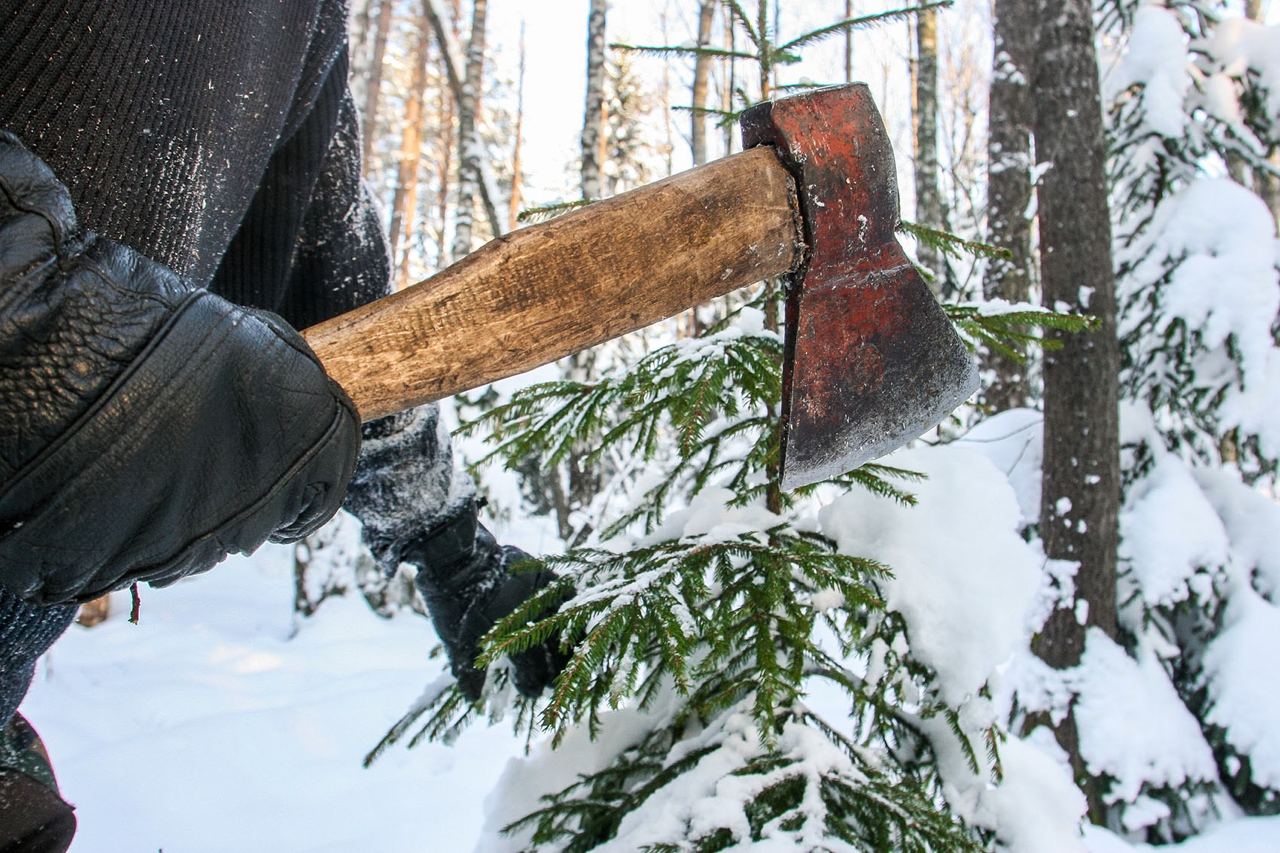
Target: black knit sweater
x=215, y=136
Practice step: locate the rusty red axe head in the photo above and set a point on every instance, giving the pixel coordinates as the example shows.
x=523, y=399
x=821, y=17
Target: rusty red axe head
x=871, y=360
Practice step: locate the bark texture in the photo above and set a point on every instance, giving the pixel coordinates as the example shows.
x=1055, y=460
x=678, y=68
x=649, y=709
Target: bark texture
x=1009, y=184
x=593, y=110
x=373, y=85
x=404, y=199
x=928, y=196
x=1081, y=485
x=513, y=203
x=469, y=142
x=701, y=80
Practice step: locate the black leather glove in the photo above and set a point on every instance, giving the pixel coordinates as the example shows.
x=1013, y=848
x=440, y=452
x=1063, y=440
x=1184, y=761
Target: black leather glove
x=149, y=428
x=466, y=581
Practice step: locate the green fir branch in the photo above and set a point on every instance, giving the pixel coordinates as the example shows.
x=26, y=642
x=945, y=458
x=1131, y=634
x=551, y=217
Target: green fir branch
x=952, y=245
x=863, y=22
x=743, y=19
x=660, y=50
x=1011, y=332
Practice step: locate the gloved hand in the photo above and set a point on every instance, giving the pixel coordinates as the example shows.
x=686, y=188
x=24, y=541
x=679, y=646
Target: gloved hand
x=466, y=581
x=150, y=428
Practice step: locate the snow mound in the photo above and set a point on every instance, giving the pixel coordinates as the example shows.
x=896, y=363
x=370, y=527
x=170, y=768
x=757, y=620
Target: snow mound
x=1133, y=726
x=963, y=578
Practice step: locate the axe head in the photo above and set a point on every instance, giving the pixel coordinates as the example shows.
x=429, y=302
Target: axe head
x=871, y=360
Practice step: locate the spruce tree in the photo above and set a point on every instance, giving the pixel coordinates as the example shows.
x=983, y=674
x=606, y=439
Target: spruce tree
x=703, y=618
x=1198, y=297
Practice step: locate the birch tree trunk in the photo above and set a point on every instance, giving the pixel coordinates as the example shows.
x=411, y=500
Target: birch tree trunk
x=1009, y=184
x=513, y=203
x=446, y=104
x=451, y=62
x=701, y=76
x=1081, y=480
x=373, y=86
x=928, y=198
x=593, y=111
x=468, y=139
x=403, y=201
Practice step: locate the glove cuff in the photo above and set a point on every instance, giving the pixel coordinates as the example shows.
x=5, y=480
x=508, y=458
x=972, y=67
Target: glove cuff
x=405, y=483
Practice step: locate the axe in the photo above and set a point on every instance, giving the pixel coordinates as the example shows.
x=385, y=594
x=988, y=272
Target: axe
x=871, y=361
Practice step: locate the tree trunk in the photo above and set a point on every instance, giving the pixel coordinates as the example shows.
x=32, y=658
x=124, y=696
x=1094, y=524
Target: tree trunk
x=701, y=76
x=593, y=111
x=360, y=33
x=848, y=43
x=513, y=209
x=1266, y=184
x=468, y=139
x=444, y=167
x=373, y=86
x=403, y=202
x=730, y=83
x=928, y=198
x=447, y=42
x=1009, y=185
x=1081, y=482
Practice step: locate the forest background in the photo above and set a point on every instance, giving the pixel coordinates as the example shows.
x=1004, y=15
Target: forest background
x=987, y=689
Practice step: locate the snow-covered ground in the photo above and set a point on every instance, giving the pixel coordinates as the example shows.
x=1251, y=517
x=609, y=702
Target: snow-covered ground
x=212, y=726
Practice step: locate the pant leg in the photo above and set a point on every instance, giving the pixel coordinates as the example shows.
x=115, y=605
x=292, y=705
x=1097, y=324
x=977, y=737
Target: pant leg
x=33, y=816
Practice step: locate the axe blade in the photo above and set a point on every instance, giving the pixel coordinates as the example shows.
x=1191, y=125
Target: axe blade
x=871, y=359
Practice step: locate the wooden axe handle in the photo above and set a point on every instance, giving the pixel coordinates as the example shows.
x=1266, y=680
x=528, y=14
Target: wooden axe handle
x=547, y=291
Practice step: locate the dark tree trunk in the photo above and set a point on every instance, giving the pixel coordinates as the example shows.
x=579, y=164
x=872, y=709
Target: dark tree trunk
x=1009, y=184
x=1081, y=485
x=445, y=105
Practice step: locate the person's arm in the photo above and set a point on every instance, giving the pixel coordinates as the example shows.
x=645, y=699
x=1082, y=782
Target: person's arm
x=413, y=505
x=151, y=427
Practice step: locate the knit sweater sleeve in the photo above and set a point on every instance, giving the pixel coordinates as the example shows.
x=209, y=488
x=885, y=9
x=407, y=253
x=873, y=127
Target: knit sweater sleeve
x=405, y=481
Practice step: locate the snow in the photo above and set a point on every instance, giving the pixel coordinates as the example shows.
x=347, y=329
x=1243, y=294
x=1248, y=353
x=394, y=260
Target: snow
x=212, y=726
x=1170, y=531
x=1239, y=45
x=1014, y=442
x=1157, y=60
x=1243, y=835
x=1253, y=523
x=1220, y=240
x=1242, y=670
x=1036, y=807
x=1133, y=726
x=964, y=579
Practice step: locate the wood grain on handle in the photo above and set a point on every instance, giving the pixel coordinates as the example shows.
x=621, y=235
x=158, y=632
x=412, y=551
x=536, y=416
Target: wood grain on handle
x=547, y=291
